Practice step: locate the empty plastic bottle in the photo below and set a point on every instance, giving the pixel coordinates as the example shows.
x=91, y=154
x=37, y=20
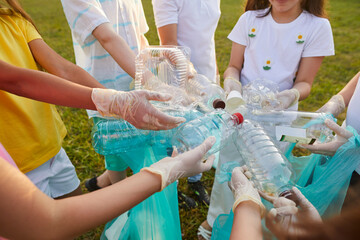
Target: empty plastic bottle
x=217, y=123
x=272, y=173
x=295, y=126
x=207, y=93
x=113, y=136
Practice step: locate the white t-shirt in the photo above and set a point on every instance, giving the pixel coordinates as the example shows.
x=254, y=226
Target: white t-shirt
x=273, y=51
x=353, y=111
x=196, y=23
x=128, y=20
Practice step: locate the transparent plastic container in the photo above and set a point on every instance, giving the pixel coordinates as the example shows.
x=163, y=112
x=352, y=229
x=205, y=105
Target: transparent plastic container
x=217, y=123
x=206, y=93
x=295, y=126
x=272, y=172
x=260, y=94
x=113, y=136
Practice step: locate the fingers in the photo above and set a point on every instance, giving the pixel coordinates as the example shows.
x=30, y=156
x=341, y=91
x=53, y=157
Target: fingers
x=337, y=129
x=175, y=152
x=267, y=197
x=301, y=199
x=272, y=224
x=323, y=148
x=156, y=96
x=203, y=148
x=207, y=165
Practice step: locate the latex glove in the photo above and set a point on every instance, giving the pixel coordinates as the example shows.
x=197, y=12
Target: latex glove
x=285, y=221
x=134, y=107
x=330, y=148
x=335, y=106
x=230, y=84
x=287, y=98
x=243, y=189
x=184, y=165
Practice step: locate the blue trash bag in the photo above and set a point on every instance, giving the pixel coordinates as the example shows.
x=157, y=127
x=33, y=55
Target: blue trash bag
x=323, y=180
x=157, y=217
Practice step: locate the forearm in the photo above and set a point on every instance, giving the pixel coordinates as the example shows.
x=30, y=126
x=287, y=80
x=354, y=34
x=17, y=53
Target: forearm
x=44, y=87
x=304, y=89
x=101, y=206
x=349, y=89
x=247, y=222
x=168, y=34
x=117, y=47
x=232, y=72
x=27, y=213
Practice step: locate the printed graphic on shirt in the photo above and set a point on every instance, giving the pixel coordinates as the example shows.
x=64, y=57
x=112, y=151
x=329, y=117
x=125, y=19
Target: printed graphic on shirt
x=252, y=32
x=268, y=64
x=300, y=39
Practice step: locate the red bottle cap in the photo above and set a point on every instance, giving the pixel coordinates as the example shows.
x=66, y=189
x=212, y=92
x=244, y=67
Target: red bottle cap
x=239, y=118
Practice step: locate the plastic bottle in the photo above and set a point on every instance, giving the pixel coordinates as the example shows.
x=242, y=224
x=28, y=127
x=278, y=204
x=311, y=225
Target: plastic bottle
x=295, y=126
x=217, y=123
x=113, y=136
x=271, y=170
x=211, y=95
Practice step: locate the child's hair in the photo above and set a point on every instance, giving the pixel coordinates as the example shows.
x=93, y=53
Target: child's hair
x=16, y=7
x=315, y=7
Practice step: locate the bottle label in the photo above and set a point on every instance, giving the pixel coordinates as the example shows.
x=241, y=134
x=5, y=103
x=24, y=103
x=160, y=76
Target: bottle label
x=294, y=135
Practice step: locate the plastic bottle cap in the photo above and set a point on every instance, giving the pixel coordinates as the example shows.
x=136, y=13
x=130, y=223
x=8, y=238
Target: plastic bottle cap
x=218, y=103
x=239, y=117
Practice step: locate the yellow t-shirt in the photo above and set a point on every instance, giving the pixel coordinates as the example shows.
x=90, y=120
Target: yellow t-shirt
x=31, y=131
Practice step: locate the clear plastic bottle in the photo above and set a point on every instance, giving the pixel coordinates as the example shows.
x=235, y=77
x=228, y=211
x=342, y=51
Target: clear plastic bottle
x=295, y=126
x=211, y=95
x=272, y=173
x=113, y=136
x=217, y=123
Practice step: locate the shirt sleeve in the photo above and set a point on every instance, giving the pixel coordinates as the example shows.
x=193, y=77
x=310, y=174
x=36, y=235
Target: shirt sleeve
x=165, y=12
x=239, y=33
x=83, y=17
x=320, y=42
x=30, y=32
x=144, y=28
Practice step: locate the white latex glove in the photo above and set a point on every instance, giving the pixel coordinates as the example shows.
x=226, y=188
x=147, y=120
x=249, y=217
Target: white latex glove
x=287, y=98
x=134, y=107
x=335, y=106
x=231, y=84
x=243, y=189
x=285, y=220
x=330, y=148
x=184, y=165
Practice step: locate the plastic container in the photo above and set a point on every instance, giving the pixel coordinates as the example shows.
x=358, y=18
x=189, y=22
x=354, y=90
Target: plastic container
x=271, y=170
x=217, y=123
x=295, y=126
x=205, y=92
x=114, y=136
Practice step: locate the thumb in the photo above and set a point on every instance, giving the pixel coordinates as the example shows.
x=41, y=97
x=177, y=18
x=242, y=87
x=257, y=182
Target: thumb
x=208, y=164
x=301, y=199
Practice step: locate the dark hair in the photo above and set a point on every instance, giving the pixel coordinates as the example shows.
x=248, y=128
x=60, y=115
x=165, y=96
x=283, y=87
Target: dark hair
x=315, y=7
x=15, y=6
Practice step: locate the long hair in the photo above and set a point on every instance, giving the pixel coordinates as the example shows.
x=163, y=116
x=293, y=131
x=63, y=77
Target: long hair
x=15, y=6
x=315, y=7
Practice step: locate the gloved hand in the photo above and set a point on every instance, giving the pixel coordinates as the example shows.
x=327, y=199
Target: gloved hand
x=330, y=148
x=230, y=84
x=243, y=189
x=286, y=221
x=335, y=106
x=184, y=165
x=134, y=107
x=287, y=98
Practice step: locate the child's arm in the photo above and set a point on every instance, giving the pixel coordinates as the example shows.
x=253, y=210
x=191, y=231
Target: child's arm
x=168, y=34
x=44, y=87
x=59, y=66
x=308, y=68
x=117, y=47
x=232, y=73
x=27, y=213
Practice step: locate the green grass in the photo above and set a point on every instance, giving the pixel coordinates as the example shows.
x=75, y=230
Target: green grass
x=333, y=75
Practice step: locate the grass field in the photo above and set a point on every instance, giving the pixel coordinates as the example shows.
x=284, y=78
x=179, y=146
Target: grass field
x=334, y=73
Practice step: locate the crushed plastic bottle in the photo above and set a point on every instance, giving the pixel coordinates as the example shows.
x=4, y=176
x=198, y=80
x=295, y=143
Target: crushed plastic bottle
x=217, y=123
x=272, y=173
x=260, y=94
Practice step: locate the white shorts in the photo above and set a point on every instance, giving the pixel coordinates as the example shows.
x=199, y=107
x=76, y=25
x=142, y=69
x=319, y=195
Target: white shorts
x=55, y=177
